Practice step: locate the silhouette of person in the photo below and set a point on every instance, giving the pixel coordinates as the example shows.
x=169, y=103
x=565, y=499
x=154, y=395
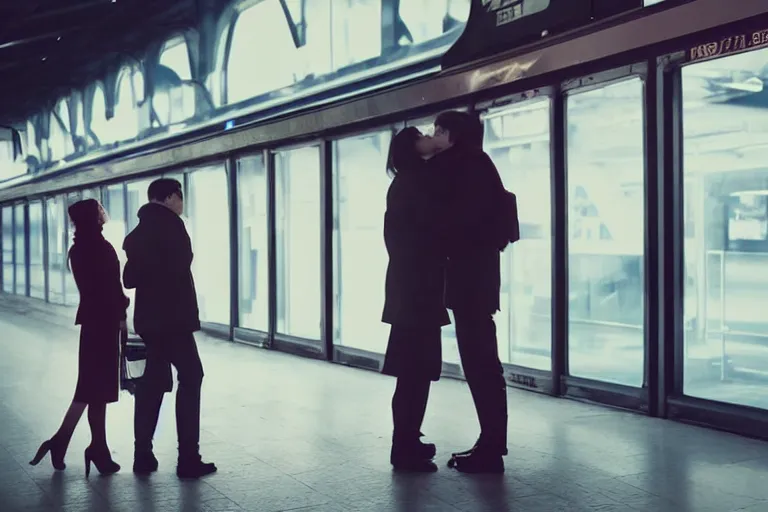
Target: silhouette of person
x=473, y=279
x=159, y=266
x=414, y=305
x=101, y=315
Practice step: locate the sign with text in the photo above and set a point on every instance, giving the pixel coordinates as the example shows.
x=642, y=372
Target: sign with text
x=496, y=26
x=735, y=43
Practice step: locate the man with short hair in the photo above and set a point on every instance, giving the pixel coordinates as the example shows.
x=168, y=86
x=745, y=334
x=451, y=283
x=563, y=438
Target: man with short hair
x=473, y=279
x=158, y=266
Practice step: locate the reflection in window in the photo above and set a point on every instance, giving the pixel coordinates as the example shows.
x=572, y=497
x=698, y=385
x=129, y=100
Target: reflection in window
x=606, y=233
x=124, y=125
x=20, y=250
x=137, y=197
x=32, y=149
x=254, y=261
x=174, y=102
x=99, y=123
x=207, y=206
x=356, y=31
x=59, y=138
x=427, y=19
x=7, y=232
x=36, y=248
x=262, y=57
x=360, y=257
x=115, y=229
x=298, y=211
x=57, y=250
x=726, y=229
x=517, y=140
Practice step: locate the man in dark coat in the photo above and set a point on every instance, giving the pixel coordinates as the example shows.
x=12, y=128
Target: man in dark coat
x=473, y=279
x=158, y=266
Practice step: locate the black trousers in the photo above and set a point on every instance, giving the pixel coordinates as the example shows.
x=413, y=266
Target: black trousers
x=409, y=404
x=479, y=353
x=164, y=350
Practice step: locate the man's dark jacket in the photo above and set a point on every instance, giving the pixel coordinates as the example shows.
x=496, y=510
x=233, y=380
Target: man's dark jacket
x=159, y=267
x=473, y=191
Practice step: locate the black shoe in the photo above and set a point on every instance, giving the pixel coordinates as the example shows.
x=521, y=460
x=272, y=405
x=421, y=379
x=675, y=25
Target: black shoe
x=144, y=463
x=57, y=454
x=102, y=459
x=467, y=453
x=413, y=456
x=195, y=469
x=479, y=461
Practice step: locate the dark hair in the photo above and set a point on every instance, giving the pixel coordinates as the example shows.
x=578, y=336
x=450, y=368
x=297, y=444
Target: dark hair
x=85, y=214
x=403, y=156
x=163, y=188
x=463, y=128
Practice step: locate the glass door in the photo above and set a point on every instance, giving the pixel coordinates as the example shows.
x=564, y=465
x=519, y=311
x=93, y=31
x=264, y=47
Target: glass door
x=298, y=246
x=605, y=162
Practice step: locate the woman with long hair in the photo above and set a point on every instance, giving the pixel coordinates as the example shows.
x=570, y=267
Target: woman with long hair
x=414, y=305
x=101, y=315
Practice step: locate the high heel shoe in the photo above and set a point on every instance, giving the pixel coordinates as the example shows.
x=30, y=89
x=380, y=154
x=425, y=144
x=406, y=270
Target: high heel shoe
x=102, y=460
x=57, y=454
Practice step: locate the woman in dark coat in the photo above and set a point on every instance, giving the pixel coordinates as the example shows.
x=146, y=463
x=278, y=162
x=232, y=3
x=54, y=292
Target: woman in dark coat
x=414, y=305
x=101, y=316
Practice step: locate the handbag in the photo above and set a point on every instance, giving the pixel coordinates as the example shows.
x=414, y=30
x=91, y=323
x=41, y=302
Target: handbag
x=133, y=360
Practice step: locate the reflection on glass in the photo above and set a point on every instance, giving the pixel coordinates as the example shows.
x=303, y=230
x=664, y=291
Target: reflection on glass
x=517, y=140
x=57, y=250
x=253, y=259
x=7, y=220
x=116, y=229
x=606, y=233
x=174, y=103
x=297, y=184
x=726, y=229
x=207, y=207
x=36, y=269
x=360, y=257
x=21, y=250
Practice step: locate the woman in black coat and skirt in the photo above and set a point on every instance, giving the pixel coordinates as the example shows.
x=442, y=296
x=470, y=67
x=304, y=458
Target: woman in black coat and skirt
x=414, y=305
x=101, y=316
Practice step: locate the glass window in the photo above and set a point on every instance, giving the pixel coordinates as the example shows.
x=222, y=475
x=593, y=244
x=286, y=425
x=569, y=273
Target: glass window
x=114, y=204
x=428, y=19
x=174, y=103
x=262, y=57
x=360, y=256
x=100, y=126
x=32, y=149
x=299, y=214
x=124, y=125
x=726, y=229
x=517, y=140
x=8, y=267
x=57, y=250
x=207, y=205
x=137, y=197
x=71, y=294
x=59, y=139
x=20, y=249
x=36, y=249
x=356, y=31
x=254, y=248
x=606, y=226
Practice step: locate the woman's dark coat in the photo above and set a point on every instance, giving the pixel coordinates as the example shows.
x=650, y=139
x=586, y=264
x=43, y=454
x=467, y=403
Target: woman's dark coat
x=415, y=280
x=102, y=307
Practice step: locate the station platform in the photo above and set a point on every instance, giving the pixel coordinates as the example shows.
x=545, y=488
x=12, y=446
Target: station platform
x=295, y=434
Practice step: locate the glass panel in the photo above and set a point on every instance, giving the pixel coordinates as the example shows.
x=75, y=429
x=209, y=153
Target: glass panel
x=726, y=229
x=254, y=248
x=174, y=103
x=137, y=197
x=517, y=140
x=21, y=250
x=207, y=206
x=36, y=269
x=57, y=250
x=297, y=174
x=71, y=294
x=115, y=230
x=360, y=256
x=8, y=249
x=125, y=124
x=606, y=233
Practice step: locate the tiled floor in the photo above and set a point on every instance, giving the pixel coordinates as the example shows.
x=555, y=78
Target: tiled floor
x=293, y=434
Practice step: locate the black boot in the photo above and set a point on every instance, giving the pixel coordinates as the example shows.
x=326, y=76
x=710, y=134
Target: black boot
x=194, y=467
x=412, y=456
x=478, y=460
x=144, y=462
